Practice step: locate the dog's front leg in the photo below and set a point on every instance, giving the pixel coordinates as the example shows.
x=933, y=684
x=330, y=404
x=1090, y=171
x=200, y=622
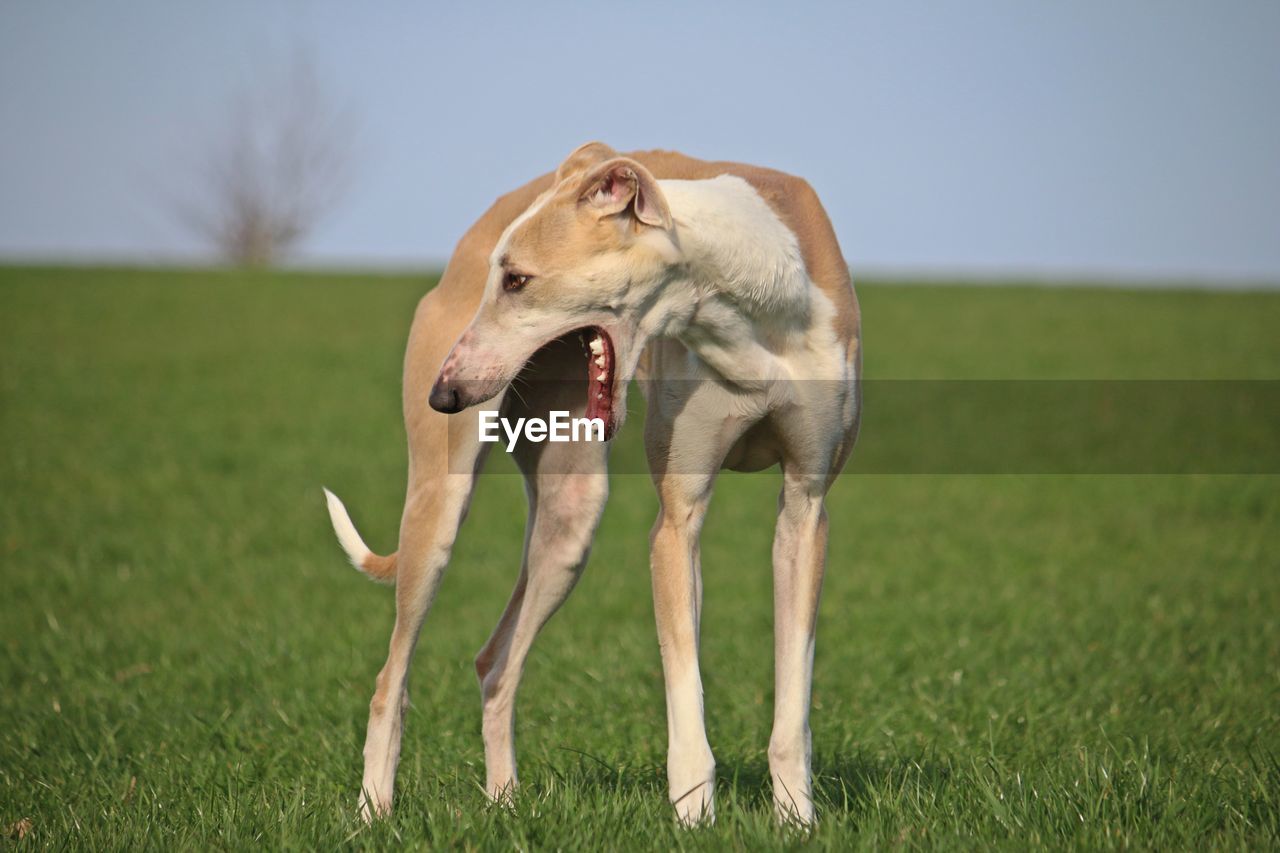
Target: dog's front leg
x=799, y=560
x=677, y=605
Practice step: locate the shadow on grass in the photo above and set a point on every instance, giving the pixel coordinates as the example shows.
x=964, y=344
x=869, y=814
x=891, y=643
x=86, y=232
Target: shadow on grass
x=842, y=784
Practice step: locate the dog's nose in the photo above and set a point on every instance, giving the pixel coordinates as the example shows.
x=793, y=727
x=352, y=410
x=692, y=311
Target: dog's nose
x=445, y=398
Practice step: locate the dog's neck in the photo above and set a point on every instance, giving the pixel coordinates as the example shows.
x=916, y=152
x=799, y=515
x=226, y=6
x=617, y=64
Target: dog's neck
x=739, y=294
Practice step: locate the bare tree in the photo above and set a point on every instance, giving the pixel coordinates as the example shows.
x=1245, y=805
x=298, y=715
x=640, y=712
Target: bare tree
x=274, y=169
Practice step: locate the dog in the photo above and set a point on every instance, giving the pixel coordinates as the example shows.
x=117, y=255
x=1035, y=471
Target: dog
x=722, y=289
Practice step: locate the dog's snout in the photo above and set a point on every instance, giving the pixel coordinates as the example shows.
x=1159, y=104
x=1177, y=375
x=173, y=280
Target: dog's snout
x=445, y=398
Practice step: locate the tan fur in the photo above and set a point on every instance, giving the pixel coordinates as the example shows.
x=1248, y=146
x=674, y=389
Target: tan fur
x=447, y=309
x=443, y=452
x=380, y=568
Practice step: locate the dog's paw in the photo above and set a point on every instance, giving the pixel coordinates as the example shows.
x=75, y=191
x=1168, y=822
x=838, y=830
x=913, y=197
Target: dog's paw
x=696, y=807
x=794, y=815
x=373, y=808
x=793, y=804
x=503, y=795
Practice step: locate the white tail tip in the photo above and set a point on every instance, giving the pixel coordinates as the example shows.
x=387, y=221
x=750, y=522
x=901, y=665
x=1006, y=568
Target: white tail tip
x=350, y=540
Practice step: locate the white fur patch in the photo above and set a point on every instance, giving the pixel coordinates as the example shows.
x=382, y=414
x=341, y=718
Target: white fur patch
x=724, y=225
x=350, y=540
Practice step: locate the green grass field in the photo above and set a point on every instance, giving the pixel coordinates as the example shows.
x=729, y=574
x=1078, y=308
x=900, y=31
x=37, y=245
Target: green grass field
x=186, y=660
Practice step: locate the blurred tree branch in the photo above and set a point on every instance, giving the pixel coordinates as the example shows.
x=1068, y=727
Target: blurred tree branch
x=276, y=167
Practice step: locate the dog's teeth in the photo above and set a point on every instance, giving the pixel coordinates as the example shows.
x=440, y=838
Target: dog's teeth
x=599, y=395
x=603, y=376
x=597, y=346
x=599, y=361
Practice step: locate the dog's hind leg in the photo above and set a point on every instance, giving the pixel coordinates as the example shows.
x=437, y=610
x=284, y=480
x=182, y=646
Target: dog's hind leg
x=564, y=509
x=444, y=454
x=566, y=485
x=438, y=495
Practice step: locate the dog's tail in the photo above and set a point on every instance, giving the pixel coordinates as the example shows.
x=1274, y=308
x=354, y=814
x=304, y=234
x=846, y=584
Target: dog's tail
x=379, y=568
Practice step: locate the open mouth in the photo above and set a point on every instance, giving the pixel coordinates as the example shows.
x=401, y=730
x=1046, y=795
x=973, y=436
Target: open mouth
x=597, y=346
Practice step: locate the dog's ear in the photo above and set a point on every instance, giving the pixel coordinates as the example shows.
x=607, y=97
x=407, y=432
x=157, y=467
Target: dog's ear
x=622, y=184
x=583, y=158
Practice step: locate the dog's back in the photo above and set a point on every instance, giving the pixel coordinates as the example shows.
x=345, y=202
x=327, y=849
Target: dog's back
x=459, y=290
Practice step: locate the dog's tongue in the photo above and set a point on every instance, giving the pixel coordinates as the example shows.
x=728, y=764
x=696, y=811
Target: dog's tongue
x=600, y=379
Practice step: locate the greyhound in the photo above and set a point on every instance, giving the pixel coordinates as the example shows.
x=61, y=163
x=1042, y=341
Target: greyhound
x=721, y=287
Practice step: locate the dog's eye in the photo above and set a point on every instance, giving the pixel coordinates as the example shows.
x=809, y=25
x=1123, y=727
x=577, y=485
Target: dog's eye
x=515, y=281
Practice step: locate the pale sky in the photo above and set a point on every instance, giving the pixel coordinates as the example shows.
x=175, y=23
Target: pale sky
x=1131, y=139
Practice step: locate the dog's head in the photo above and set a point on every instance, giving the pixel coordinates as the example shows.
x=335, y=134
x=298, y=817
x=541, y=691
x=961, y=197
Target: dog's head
x=588, y=258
